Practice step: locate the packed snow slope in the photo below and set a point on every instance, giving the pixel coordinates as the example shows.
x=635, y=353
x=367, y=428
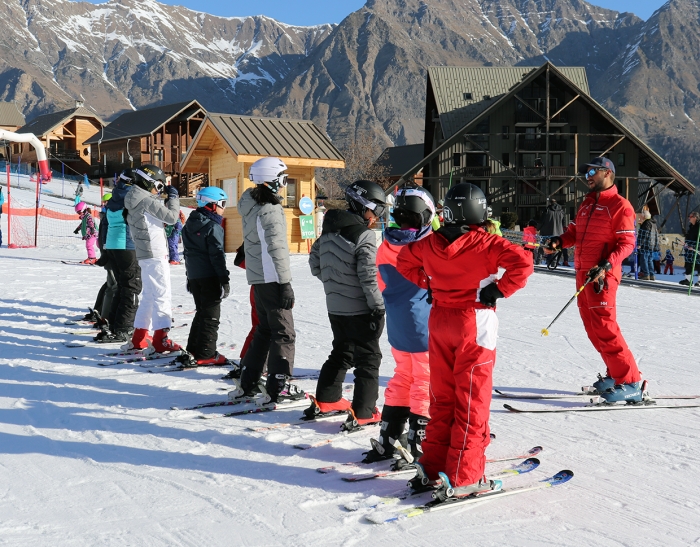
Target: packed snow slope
x=93, y=455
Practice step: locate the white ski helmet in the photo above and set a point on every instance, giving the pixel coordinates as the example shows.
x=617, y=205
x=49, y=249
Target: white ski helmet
x=270, y=172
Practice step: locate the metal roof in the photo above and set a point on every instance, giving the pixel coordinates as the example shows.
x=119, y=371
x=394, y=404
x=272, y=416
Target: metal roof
x=144, y=122
x=41, y=125
x=10, y=115
x=399, y=159
x=451, y=83
x=249, y=135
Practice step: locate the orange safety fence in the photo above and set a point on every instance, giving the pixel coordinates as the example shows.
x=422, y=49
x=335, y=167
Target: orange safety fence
x=43, y=212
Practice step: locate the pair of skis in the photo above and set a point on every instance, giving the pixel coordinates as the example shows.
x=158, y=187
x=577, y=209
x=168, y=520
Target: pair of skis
x=575, y=397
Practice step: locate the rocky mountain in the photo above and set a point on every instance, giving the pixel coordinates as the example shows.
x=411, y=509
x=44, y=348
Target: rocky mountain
x=126, y=54
x=370, y=72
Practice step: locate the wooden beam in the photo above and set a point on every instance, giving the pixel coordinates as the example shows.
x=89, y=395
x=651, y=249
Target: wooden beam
x=535, y=111
x=201, y=153
x=618, y=141
x=564, y=107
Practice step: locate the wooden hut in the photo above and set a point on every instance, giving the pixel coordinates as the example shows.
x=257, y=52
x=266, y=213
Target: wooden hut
x=226, y=145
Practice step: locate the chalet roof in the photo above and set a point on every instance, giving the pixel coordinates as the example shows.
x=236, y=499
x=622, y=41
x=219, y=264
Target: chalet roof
x=144, y=122
x=254, y=136
x=41, y=125
x=10, y=115
x=399, y=159
x=450, y=84
x=650, y=163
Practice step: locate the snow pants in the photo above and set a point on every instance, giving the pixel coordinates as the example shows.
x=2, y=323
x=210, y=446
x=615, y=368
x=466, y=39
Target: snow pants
x=274, y=338
x=126, y=301
x=155, y=307
x=668, y=266
x=173, y=243
x=204, y=332
x=107, y=294
x=355, y=344
x=90, y=246
x=599, y=315
x=462, y=348
x=254, y=324
x=410, y=383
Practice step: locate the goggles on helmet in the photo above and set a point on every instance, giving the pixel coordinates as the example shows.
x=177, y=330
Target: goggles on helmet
x=379, y=209
x=157, y=184
x=422, y=195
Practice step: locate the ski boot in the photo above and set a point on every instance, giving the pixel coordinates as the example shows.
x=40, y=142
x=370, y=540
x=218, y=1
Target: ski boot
x=105, y=336
x=320, y=409
x=256, y=391
x=353, y=422
x=599, y=386
x=393, y=428
x=634, y=393
x=446, y=490
x=685, y=281
x=163, y=344
x=421, y=482
x=139, y=340
x=235, y=372
x=416, y=435
x=217, y=361
x=186, y=360
x=279, y=390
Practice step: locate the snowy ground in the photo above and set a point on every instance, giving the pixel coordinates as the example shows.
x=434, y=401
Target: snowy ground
x=92, y=455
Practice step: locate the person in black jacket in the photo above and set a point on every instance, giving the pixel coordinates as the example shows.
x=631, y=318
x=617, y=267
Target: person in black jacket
x=691, y=238
x=207, y=276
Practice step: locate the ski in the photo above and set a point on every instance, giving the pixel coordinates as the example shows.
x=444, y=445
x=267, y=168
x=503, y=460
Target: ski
x=74, y=344
x=262, y=408
x=595, y=408
x=81, y=332
x=575, y=395
x=138, y=358
x=534, y=451
x=213, y=404
x=302, y=421
x=333, y=438
x=382, y=517
x=76, y=263
x=373, y=502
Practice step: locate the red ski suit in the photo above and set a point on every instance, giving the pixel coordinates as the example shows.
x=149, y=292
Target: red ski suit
x=462, y=343
x=604, y=230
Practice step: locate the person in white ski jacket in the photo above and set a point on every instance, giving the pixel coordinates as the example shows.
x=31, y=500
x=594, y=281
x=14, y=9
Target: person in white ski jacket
x=146, y=216
x=268, y=271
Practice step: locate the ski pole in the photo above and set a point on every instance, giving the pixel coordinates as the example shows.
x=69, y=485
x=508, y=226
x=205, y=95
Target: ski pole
x=545, y=331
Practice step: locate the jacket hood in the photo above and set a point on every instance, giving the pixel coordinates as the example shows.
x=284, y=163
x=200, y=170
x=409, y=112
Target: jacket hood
x=397, y=236
x=198, y=219
x=116, y=203
x=554, y=207
x=336, y=219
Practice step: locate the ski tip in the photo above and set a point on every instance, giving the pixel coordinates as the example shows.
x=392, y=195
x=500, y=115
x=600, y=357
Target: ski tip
x=508, y=407
x=535, y=450
x=531, y=461
x=561, y=477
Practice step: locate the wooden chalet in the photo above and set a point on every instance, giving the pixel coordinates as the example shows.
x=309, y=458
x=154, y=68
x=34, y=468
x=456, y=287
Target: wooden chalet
x=396, y=160
x=227, y=145
x=520, y=134
x=158, y=136
x=63, y=134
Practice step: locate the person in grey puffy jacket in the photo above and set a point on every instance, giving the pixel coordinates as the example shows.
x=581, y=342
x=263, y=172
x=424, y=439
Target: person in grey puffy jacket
x=146, y=216
x=344, y=259
x=268, y=271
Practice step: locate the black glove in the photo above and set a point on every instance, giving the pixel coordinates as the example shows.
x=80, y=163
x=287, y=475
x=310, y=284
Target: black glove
x=286, y=296
x=225, y=287
x=378, y=313
x=76, y=230
x=102, y=261
x=172, y=192
x=489, y=294
x=603, y=267
x=553, y=243
x=377, y=316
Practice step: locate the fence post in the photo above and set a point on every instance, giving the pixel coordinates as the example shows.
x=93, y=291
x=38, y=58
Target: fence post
x=102, y=190
x=36, y=209
x=8, y=167
x=19, y=162
x=63, y=176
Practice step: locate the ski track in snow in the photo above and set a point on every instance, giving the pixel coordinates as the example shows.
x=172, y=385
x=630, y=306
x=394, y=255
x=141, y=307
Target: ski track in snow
x=93, y=455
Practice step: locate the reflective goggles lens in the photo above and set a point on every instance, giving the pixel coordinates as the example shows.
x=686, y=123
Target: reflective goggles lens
x=591, y=172
x=282, y=180
x=379, y=210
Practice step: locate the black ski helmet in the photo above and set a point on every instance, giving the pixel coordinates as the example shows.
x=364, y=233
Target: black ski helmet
x=149, y=177
x=465, y=204
x=363, y=195
x=413, y=203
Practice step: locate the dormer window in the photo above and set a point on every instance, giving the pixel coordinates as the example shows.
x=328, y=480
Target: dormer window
x=467, y=96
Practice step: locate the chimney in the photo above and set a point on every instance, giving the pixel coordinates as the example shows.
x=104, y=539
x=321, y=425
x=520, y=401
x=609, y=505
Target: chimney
x=79, y=104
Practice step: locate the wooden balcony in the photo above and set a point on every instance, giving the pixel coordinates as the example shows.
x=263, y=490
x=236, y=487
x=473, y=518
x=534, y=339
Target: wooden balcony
x=474, y=172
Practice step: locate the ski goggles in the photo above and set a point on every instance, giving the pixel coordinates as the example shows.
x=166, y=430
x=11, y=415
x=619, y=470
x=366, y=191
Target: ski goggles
x=412, y=192
x=157, y=184
x=379, y=209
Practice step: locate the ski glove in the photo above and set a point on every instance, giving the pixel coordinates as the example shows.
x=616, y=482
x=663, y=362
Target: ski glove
x=597, y=275
x=77, y=230
x=489, y=294
x=172, y=192
x=225, y=288
x=286, y=296
x=377, y=319
x=553, y=243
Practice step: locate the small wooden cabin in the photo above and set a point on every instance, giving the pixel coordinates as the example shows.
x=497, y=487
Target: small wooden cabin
x=227, y=145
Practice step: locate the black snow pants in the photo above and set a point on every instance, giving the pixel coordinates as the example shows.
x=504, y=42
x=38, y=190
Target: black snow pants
x=273, y=339
x=355, y=344
x=204, y=332
x=126, y=301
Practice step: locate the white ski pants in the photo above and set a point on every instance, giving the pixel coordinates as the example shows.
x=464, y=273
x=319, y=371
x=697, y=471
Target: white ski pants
x=155, y=304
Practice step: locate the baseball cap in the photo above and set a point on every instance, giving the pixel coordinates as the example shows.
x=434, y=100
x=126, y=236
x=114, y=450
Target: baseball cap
x=600, y=161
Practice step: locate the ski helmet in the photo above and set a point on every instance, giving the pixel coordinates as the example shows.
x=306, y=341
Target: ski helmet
x=107, y=197
x=80, y=207
x=465, y=204
x=150, y=177
x=269, y=172
x=363, y=195
x=211, y=194
x=413, y=205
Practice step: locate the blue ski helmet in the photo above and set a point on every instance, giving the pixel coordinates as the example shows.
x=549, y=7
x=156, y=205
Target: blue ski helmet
x=211, y=194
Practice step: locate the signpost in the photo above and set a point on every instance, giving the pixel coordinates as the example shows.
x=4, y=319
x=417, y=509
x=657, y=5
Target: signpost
x=306, y=222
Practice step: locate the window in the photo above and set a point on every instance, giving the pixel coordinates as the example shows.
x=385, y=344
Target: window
x=556, y=160
x=157, y=156
x=291, y=198
x=620, y=159
x=456, y=159
x=487, y=97
x=467, y=96
x=505, y=159
x=573, y=129
x=530, y=133
x=505, y=130
x=528, y=160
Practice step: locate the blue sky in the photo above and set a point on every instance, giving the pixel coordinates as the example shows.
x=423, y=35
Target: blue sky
x=314, y=12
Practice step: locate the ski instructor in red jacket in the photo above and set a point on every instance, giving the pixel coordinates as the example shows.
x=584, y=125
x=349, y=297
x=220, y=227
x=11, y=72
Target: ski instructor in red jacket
x=603, y=233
